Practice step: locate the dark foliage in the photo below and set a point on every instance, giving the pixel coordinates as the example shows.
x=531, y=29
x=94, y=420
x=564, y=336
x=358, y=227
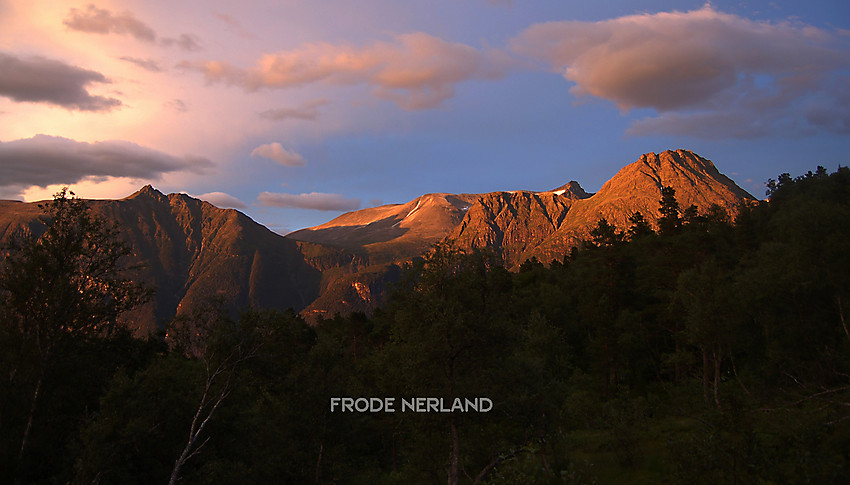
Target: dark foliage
x=704, y=350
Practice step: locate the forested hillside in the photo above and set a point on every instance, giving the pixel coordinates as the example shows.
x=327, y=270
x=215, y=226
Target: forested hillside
x=700, y=350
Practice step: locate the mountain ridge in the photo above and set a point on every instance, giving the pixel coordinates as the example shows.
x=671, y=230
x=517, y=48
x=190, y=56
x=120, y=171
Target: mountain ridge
x=522, y=224
x=194, y=250
x=190, y=251
x=414, y=225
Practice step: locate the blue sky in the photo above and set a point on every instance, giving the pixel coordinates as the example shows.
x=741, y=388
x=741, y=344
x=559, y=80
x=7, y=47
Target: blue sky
x=293, y=111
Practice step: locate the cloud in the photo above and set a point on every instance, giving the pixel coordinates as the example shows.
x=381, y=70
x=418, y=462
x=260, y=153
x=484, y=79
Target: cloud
x=146, y=64
x=221, y=199
x=177, y=105
x=101, y=21
x=228, y=19
x=187, y=42
x=695, y=67
x=95, y=20
x=714, y=125
x=41, y=80
x=47, y=160
x=793, y=108
x=416, y=71
x=313, y=200
x=307, y=111
x=276, y=152
x=234, y=25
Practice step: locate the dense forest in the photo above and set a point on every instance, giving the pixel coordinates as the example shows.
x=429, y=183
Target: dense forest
x=703, y=350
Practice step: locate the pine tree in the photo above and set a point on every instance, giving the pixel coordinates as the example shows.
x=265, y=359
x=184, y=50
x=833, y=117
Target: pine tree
x=670, y=221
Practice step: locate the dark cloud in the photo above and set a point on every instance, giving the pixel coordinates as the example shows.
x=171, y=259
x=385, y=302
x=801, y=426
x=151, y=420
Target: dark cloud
x=790, y=109
x=698, y=67
x=146, y=64
x=307, y=111
x=47, y=160
x=313, y=201
x=713, y=125
x=40, y=80
x=832, y=111
x=101, y=21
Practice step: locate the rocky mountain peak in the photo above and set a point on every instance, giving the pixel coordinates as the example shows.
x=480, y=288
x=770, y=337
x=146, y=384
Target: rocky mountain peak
x=637, y=188
x=696, y=179
x=573, y=190
x=147, y=192
x=678, y=161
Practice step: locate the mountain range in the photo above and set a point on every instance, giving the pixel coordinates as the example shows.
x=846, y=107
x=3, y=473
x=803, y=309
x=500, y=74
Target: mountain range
x=191, y=250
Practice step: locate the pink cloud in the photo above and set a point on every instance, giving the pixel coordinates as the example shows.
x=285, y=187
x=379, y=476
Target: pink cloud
x=276, y=151
x=306, y=111
x=416, y=71
x=313, y=200
x=221, y=199
x=94, y=20
x=102, y=21
x=717, y=65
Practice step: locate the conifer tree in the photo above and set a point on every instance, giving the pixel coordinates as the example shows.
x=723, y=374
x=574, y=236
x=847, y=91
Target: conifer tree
x=669, y=221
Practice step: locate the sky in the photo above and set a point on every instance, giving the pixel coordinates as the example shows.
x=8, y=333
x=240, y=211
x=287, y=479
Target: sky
x=294, y=111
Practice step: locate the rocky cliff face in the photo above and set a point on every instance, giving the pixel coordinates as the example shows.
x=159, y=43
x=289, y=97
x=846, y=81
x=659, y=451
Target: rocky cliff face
x=363, y=290
x=194, y=250
x=511, y=223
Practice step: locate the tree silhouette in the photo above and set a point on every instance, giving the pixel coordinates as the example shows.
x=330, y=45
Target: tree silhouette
x=669, y=220
x=67, y=283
